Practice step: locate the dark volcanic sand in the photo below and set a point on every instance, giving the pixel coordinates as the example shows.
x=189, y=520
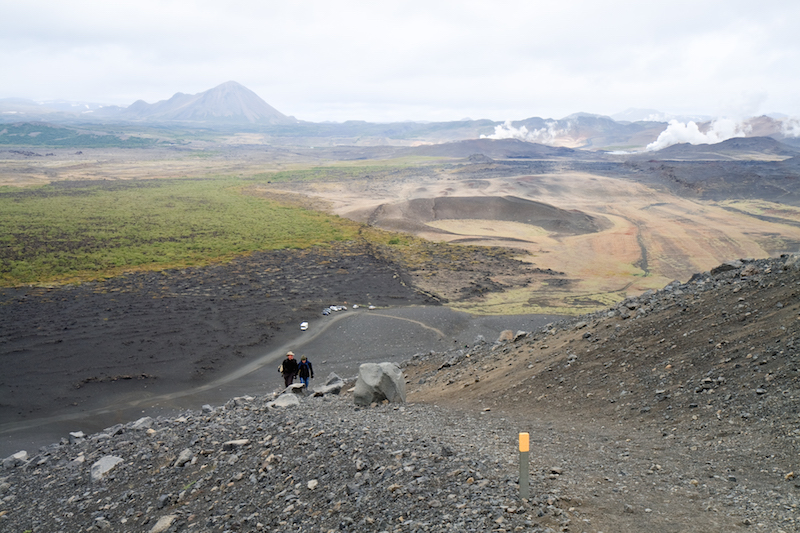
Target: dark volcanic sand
x=88, y=356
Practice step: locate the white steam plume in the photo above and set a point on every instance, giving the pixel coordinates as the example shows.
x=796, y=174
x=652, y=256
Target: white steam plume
x=679, y=132
x=791, y=127
x=541, y=135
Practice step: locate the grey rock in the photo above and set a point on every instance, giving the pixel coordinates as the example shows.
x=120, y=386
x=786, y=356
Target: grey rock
x=792, y=262
x=726, y=267
x=103, y=466
x=378, y=382
x=295, y=388
x=284, y=400
x=163, y=500
x=163, y=523
x=520, y=335
x=14, y=460
x=145, y=422
x=184, y=457
x=333, y=385
x=234, y=444
x=115, y=430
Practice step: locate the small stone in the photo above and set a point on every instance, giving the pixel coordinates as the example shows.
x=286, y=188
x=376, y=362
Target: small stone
x=184, y=457
x=163, y=500
x=313, y=484
x=233, y=444
x=143, y=423
x=15, y=459
x=284, y=400
x=163, y=523
x=103, y=466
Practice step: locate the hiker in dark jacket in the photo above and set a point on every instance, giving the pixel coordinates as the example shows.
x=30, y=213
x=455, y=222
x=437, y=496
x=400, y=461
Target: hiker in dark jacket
x=305, y=370
x=289, y=369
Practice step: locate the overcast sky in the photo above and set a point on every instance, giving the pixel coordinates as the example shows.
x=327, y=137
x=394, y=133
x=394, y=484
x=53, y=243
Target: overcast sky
x=412, y=60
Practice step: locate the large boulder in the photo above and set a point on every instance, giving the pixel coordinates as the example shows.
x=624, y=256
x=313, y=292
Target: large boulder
x=333, y=385
x=15, y=460
x=378, y=382
x=792, y=262
x=283, y=401
x=726, y=267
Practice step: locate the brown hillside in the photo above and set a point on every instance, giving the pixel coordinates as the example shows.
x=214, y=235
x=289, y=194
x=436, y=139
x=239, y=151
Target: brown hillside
x=684, y=399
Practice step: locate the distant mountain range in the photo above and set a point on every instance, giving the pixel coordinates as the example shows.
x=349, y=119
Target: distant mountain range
x=231, y=106
x=230, y=103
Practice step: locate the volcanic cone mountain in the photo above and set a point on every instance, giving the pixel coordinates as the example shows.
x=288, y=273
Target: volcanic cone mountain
x=229, y=103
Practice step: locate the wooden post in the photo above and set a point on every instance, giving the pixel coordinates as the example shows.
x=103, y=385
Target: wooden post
x=524, y=474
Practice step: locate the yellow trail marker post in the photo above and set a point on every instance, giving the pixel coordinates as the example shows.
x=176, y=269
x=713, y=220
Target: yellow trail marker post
x=524, y=474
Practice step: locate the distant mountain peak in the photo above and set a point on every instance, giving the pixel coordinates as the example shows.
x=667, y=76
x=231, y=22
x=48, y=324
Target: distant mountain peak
x=229, y=102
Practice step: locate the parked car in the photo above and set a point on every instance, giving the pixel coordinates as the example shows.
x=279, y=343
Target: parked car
x=303, y=326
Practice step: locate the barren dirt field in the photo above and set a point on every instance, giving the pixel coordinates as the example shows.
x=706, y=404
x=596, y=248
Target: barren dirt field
x=644, y=237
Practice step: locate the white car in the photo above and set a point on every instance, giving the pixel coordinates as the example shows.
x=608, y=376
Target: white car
x=303, y=326
x=371, y=307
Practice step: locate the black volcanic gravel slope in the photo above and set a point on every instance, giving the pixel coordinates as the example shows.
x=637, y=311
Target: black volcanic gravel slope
x=674, y=411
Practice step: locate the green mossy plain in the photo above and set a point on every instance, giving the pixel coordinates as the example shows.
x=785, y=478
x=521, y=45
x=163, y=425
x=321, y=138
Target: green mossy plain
x=34, y=134
x=90, y=229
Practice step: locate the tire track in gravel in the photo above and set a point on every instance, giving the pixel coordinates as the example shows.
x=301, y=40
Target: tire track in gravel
x=417, y=322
